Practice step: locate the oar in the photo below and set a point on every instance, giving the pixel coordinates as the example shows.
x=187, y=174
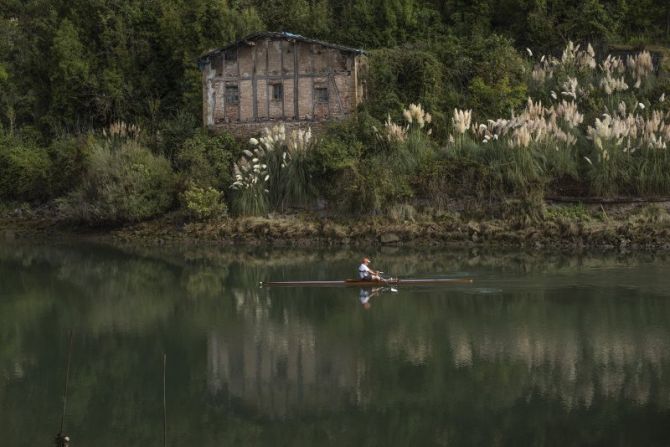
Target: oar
x=392, y=289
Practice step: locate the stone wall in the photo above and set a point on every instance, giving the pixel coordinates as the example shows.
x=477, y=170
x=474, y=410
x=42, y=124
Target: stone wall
x=255, y=128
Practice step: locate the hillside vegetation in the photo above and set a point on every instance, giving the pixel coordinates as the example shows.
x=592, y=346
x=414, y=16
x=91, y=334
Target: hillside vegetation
x=488, y=100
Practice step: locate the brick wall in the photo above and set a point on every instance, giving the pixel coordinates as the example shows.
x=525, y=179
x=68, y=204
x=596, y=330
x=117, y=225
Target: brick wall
x=256, y=67
x=248, y=130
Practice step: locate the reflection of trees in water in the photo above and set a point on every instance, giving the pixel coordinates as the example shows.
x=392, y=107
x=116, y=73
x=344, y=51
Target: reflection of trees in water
x=280, y=362
x=102, y=289
x=278, y=365
x=294, y=355
x=415, y=348
x=573, y=356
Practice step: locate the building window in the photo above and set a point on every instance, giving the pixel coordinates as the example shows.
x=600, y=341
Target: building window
x=277, y=92
x=232, y=95
x=231, y=55
x=321, y=94
x=217, y=62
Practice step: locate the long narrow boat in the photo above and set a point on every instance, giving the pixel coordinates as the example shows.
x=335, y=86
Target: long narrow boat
x=362, y=283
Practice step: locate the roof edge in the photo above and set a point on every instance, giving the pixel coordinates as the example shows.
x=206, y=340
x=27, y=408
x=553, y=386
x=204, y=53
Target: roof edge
x=277, y=35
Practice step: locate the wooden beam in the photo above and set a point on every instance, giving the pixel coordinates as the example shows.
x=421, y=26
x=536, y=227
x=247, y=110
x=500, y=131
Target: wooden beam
x=311, y=67
x=337, y=91
x=355, y=80
x=278, y=77
x=239, y=92
x=253, y=84
x=267, y=72
x=223, y=96
x=205, y=95
x=296, y=92
x=281, y=73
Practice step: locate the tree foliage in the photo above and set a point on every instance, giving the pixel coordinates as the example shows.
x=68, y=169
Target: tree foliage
x=69, y=68
x=72, y=64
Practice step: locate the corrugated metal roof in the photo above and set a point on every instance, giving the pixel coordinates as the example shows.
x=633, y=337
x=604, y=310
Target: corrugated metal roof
x=276, y=35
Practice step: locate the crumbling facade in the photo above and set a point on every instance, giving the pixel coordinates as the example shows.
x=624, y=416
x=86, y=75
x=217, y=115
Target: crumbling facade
x=279, y=77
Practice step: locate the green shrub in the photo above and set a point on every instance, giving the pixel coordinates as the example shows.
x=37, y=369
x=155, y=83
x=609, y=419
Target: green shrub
x=570, y=211
x=371, y=186
x=400, y=76
x=204, y=203
x=173, y=133
x=24, y=171
x=207, y=160
x=69, y=158
x=128, y=184
x=497, y=97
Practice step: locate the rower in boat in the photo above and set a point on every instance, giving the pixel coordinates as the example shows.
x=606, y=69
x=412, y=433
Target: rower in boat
x=370, y=283
x=365, y=273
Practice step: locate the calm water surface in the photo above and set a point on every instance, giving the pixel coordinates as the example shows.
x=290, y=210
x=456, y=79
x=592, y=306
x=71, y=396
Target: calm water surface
x=540, y=350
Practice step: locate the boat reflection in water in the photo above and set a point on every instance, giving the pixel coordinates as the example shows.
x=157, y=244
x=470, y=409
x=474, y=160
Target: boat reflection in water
x=365, y=295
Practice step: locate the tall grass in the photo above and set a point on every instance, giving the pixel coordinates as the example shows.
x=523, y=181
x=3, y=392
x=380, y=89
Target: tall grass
x=250, y=202
x=274, y=174
x=598, y=127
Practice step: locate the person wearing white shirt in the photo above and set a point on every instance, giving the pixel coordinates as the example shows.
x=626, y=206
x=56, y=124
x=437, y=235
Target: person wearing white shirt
x=366, y=273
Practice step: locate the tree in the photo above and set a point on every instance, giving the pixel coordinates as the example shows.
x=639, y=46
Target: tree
x=71, y=79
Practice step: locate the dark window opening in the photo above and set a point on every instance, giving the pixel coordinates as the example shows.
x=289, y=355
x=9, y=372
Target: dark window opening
x=321, y=94
x=277, y=92
x=217, y=62
x=231, y=55
x=232, y=94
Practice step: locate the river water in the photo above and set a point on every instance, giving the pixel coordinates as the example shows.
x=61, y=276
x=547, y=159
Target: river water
x=539, y=350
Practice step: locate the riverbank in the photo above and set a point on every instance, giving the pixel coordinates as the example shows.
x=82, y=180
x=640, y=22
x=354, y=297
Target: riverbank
x=627, y=226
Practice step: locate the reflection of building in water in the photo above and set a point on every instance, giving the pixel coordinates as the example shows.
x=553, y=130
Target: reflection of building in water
x=280, y=367
x=280, y=364
x=571, y=362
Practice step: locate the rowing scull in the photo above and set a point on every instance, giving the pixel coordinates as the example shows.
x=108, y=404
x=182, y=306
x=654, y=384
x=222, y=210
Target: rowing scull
x=373, y=283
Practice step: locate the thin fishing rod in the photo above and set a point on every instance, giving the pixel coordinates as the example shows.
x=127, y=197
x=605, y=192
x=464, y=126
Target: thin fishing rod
x=63, y=440
x=67, y=380
x=164, y=403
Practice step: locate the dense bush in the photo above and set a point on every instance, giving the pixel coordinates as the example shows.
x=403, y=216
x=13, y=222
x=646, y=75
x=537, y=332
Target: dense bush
x=366, y=166
x=121, y=185
x=207, y=160
x=485, y=74
x=399, y=76
x=173, y=133
x=69, y=158
x=24, y=171
x=204, y=203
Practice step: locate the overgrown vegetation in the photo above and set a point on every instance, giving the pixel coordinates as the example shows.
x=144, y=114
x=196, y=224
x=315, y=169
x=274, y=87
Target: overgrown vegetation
x=125, y=183
x=204, y=203
x=106, y=124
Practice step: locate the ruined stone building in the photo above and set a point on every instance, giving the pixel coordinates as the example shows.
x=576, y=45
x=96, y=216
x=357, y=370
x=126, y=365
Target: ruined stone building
x=270, y=77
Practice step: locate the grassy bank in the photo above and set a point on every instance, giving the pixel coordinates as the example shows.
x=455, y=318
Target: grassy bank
x=622, y=227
